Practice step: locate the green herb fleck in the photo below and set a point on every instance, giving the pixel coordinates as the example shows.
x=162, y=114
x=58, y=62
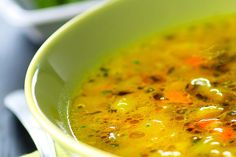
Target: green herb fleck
x=105, y=92
x=150, y=89
x=136, y=62
x=148, y=125
x=115, y=145
x=83, y=126
x=105, y=71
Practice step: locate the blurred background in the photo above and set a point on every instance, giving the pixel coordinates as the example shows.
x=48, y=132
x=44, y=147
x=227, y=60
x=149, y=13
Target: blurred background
x=24, y=26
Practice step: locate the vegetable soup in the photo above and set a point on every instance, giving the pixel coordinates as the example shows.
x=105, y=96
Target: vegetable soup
x=171, y=95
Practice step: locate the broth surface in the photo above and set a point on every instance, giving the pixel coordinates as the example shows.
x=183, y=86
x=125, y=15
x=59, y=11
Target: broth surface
x=173, y=95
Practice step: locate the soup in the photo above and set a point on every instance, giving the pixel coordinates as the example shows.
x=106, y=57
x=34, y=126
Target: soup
x=172, y=95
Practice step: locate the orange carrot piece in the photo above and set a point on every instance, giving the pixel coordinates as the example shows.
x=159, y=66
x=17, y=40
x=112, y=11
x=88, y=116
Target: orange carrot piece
x=195, y=61
x=227, y=134
x=177, y=96
x=205, y=123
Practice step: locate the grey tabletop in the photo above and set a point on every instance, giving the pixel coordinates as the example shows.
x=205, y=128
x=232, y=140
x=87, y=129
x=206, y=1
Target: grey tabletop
x=16, y=52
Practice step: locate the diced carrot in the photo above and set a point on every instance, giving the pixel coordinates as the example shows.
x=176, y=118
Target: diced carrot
x=195, y=61
x=205, y=123
x=227, y=134
x=177, y=96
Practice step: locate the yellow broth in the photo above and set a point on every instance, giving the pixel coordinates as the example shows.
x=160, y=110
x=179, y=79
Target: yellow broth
x=173, y=95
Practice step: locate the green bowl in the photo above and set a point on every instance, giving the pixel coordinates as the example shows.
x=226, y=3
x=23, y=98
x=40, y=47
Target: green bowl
x=67, y=56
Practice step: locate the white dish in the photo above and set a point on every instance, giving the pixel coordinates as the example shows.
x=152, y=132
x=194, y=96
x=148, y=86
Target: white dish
x=39, y=24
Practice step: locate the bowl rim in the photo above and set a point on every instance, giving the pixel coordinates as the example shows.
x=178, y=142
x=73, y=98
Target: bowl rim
x=64, y=140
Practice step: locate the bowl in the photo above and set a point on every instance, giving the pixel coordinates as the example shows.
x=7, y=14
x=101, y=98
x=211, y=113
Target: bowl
x=72, y=51
x=39, y=24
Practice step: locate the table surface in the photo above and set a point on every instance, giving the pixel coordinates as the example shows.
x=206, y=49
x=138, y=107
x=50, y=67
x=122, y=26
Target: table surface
x=16, y=52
